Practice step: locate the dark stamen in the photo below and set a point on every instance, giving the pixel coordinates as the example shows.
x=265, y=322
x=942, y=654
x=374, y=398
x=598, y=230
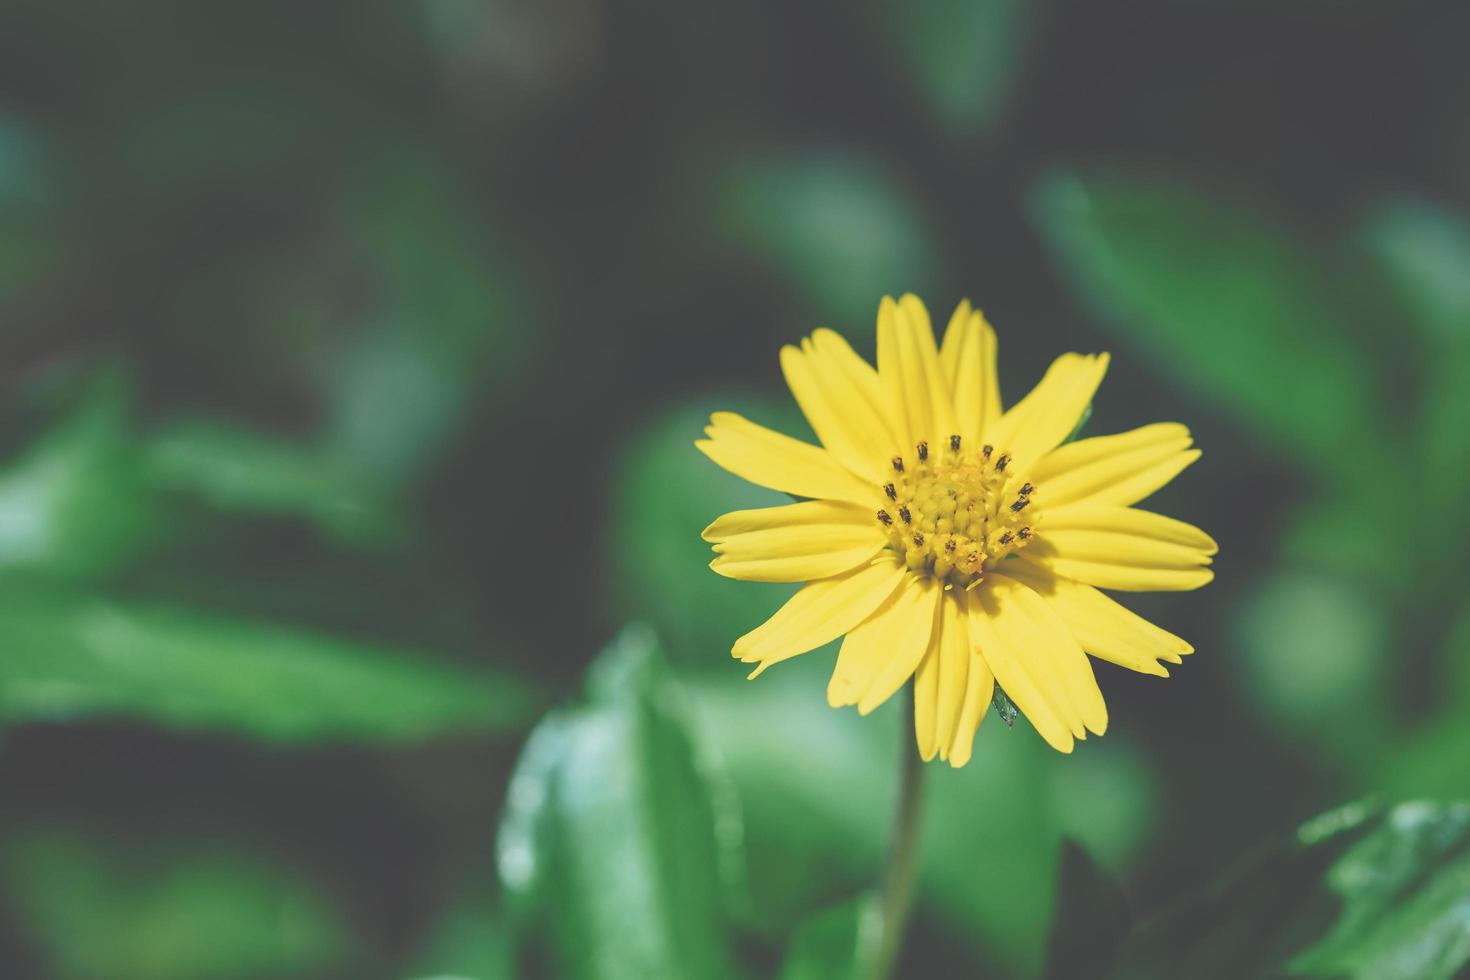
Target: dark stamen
x=903, y=512
x=1026, y=488
x=954, y=444
x=986, y=450
x=889, y=489
x=1005, y=538
x=923, y=452
x=1000, y=464
x=1020, y=505
x=1024, y=533
x=898, y=463
x=918, y=539
x=883, y=516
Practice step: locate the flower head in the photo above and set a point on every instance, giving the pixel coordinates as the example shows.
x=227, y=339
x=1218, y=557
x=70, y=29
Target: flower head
x=953, y=542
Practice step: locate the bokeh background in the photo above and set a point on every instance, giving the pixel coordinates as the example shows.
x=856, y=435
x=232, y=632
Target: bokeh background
x=353, y=355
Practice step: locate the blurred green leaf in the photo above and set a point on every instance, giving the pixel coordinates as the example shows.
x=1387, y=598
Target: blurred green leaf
x=840, y=942
x=964, y=54
x=617, y=835
x=1228, y=304
x=470, y=938
x=76, y=503
x=1423, y=760
x=236, y=469
x=128, y=910
x=660, y=572
x=1425, y=252
x=29, y=247
x=65, y=655
x=838, y=226
x=1091, y=921
x=1317, y=651
x=1359, y=893
x=447, y=317
x=1344, y=533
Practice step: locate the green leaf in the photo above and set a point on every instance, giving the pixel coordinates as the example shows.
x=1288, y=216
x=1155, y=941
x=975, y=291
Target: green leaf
x=1228, y=303
x=155, y=910
x=1092, y=917
x=840, y=227
x=76, y=503
x=1358, y=893
x=618, y=836
x=840, y=942
x=68, y=655
x=234, y=468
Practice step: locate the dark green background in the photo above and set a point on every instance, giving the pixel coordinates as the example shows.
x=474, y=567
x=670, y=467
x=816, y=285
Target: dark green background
x=353, y=354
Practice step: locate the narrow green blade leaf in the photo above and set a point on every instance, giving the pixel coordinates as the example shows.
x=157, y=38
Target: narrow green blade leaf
x=236, y=469
x=66, y=655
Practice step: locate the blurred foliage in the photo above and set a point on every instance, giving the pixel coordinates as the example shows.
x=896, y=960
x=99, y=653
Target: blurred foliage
x=75, y=657
x=168, y=912
x=1359, y=893
x=355, y=354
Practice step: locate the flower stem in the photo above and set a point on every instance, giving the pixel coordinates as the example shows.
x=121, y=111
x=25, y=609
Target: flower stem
x=903, y=849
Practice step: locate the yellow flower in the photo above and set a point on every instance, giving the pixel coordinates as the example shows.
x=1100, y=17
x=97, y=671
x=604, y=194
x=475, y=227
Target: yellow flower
x=951, y=541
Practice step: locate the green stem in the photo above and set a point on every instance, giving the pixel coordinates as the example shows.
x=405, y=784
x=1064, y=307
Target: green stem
x=903, y=848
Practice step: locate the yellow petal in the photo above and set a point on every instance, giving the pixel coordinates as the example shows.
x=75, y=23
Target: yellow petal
x=1104, y=628
x=1039, y=422
x=770, y=459
x=888, y=645
x=940, y=682
x=915, y=397
x=942, y=422
x=1037, y=661
x=819, y=613
x=926, y=701
x=831, y=413
x=955, y=337
x=838, y=393
x=979, y=688
x=952, y=644
x=1122, y=548
x=1120, y=469
x=793, y=543
x=968, y=360
x=990, y=371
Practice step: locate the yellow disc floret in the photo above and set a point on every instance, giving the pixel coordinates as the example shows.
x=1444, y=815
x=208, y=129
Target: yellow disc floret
x=954, y=514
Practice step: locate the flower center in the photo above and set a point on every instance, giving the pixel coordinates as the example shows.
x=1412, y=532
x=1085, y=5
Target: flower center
x=952, y=514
